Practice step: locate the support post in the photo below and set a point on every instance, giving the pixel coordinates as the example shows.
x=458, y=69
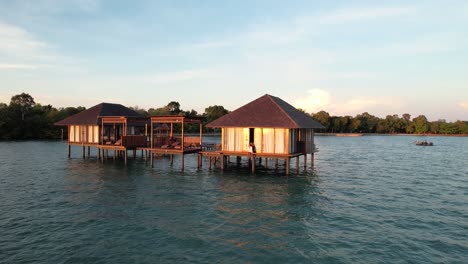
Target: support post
x=209, y=167
x=297, y=165
x=182, y=161
x=253, y=164
x=312, y=159
x=287, y=165
x=125, y=154
x=305, y=160
x=172, y=159
x=83, y=152
x=69, y=150
x=152, y=159
x=89, y=151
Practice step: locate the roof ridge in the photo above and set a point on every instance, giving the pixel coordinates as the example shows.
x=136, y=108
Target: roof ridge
x=281, y=109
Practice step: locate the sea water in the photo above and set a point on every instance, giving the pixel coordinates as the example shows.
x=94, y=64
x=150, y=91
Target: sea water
x=370, y=199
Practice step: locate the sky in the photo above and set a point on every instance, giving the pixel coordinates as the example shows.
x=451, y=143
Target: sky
x=343, y=57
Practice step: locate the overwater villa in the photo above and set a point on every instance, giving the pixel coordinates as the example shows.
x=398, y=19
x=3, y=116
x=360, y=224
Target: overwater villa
x=274, y=127
x=107, y=127
x=271, y=126
x=117, y=128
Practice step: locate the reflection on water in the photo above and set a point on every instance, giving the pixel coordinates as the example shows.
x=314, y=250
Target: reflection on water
x=369, y=199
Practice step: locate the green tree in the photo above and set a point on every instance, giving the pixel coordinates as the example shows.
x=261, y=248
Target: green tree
x=421, y=125
x=323, y=118
x=174, y=107
x=214, y=112
x=23, y=102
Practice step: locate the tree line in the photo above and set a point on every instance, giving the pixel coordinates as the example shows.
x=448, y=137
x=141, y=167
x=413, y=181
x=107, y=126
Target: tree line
x=391, y=124
x=23, y=118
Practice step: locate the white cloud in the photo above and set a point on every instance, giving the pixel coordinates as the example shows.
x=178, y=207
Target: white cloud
x=17, y=66
x=464, y=105
x=175, y=77
x=360, y=14
x=314, y=101
x=17, y=41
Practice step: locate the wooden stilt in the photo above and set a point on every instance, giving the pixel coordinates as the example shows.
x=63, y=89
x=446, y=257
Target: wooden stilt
x=69, y=150
x=99, y=153
x=83, y=152
x=125, y=154
x=222, y=162
x=238, y=159
x=266, y=163
x=172, y=159
x=152, y=159
x=89, y=151
x=134, y=154
x=209, y=167
x=305, y=160
x=182, y=157
x=253, y=164
x=287, y=165
x=276, y=163
x=297, y=165
x=312, y=159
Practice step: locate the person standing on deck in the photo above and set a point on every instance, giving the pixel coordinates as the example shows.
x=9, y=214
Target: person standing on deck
x=252, y=150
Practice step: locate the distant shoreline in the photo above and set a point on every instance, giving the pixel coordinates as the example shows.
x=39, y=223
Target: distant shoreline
x=378, y=134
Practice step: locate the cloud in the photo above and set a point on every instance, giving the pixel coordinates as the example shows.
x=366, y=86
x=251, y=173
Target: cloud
x=17, y=66
x=464, y=105
x=18, y=42
x=180, y=76
x=361, y=14
x=314, y=101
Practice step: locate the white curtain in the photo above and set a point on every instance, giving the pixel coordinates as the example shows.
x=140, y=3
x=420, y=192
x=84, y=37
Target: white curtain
x=90, y=134
x=268, y=144
x=279, y=140
x=258, y=140
x=96, y=134
x=72, y=134
x=77, y=133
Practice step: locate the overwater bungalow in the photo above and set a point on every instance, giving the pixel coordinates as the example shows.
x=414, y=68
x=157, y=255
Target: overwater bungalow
x=276, y=129
x=107, y=127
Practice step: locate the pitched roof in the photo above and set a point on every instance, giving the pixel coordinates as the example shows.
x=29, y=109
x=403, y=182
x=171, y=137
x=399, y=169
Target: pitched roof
x=92, y=115
x=266, y=111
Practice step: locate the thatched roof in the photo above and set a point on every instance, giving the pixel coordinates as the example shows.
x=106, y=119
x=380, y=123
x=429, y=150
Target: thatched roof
x=92, y=115
x=269, y=112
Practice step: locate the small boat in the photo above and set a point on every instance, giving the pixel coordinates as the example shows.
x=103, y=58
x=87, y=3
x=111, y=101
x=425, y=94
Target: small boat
x=424, y=143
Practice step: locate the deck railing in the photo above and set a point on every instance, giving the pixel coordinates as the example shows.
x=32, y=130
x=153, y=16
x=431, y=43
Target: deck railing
x=134, y=141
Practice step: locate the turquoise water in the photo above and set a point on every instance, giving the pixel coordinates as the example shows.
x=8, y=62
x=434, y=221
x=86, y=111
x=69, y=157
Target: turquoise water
x=369, y=199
